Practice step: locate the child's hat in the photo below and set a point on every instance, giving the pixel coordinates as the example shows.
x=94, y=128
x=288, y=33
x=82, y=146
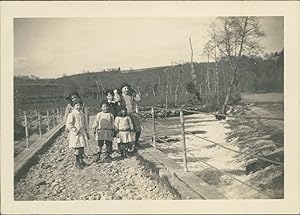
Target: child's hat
x=77, y=101
x=125, y=85
x=73, y=93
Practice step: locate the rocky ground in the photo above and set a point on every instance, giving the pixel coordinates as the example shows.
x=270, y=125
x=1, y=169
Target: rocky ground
x=54, y=177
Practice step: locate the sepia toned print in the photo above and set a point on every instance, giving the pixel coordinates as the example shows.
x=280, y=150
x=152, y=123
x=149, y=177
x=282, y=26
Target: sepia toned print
x=187, y=108
x=201, y=128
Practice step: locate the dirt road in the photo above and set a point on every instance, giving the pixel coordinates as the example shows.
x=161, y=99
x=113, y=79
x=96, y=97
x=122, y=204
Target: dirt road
x=56, y=178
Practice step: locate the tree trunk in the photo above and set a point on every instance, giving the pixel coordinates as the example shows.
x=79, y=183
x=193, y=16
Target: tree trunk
x=228, y=93
x=200, y=90
x=170, y=87
x=194, y=77
x=234, y=64
x=177, y=88
x=167, y=90
x=98, y=87
x=159, y=86
x=217, y=78
x=208, y=83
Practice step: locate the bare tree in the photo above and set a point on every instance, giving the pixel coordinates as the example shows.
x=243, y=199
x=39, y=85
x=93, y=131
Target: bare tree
x=194, y=77
x=98, y=89
x=154, y=89
x=100, y=84
x=234, y=37
x=159, y=85
x=168, y=83
x=217, y=88
x=178, y=85
x=208, y=51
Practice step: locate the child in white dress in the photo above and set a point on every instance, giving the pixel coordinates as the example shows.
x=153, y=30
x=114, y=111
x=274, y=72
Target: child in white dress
x=124, y=129
x=78, y=135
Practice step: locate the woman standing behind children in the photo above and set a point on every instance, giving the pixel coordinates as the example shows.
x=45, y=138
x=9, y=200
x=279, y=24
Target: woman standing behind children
x=104, y=130
x=78, y=136
x=124, y=128
x=128, y=98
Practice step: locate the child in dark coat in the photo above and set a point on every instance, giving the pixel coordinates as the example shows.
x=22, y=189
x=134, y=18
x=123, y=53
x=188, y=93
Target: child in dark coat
x=112, y=105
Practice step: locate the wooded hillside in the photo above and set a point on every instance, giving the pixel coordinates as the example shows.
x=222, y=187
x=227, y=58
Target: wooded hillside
x=255, y=74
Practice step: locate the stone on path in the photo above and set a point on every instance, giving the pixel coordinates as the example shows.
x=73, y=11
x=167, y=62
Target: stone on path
x=54, y=177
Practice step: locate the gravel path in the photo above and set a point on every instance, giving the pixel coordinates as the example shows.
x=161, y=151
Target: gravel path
x=54, y=177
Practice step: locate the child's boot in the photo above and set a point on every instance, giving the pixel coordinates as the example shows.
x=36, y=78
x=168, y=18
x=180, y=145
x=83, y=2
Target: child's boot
x=84, y=164
x=126, y=152
x=122, y=153
x=137, y=145
x=77, y=162
x=98, y=157
x=119, y=148
x=109, y=151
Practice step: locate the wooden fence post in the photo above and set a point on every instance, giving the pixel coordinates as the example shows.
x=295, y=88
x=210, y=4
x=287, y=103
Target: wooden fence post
x=86, y=116
x=58, y=115
x=183, y=141
x=154, y=133
x=26, y=130
x=39, y=119
x=62, y=114
x=136, y=108
x=53, y=117
x=48, y=121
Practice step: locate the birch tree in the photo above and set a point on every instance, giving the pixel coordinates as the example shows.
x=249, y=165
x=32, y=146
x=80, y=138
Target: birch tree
x=234, y=37
x=208, y=51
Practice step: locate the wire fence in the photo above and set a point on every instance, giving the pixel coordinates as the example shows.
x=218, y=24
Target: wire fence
x=40, y=122
x=211, y=113
x=155, y=138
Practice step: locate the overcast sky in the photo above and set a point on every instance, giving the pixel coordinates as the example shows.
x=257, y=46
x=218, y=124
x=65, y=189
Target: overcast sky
x=50, y=47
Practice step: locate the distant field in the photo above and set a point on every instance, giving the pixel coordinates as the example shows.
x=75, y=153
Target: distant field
x=267, y=104
x=262, y=97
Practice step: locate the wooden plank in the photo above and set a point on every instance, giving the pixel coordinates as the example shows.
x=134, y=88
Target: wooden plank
x=24, y=157
x=194, y=182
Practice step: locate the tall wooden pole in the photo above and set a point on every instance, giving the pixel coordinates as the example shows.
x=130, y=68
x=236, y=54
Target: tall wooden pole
x=183, y=142
x=40, y=129
x=58, y=115
x=154, y=132
x=167, y=91
x=53, y=117
x=48, y=121
x=193, y=73
x=26, y=130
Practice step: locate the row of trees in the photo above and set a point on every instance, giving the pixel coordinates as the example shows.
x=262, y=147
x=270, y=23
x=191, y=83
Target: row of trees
x=232, y=41
x=232, y=65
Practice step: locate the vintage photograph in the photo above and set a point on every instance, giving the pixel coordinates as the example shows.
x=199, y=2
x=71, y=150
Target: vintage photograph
x=148, y=108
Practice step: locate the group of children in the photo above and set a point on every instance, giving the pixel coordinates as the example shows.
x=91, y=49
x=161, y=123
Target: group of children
x=116, y=121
